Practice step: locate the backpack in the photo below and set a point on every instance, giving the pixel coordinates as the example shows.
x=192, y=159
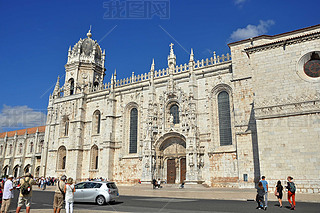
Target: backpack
x=292, y=188
x=25, y=187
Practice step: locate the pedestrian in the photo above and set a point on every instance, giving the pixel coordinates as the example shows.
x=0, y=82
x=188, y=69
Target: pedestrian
x=154, y=183
x=25, y=194
x=291, y=192
x=69, y=191
x=1, y=187
x=42, y=183
x=7, y=194
x=266, y=189
x=59, y=195
x=260, y=196
x=159, y=183
x=279, y=192
x=181, y=186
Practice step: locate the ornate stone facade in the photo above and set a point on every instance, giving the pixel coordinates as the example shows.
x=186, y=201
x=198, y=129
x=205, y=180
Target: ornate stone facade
x=222, y=121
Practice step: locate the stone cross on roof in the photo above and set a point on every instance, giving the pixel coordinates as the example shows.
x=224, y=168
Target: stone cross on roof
x=171, y=45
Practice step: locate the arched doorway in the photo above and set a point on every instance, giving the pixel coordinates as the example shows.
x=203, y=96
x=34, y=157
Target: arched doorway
x=171, y=158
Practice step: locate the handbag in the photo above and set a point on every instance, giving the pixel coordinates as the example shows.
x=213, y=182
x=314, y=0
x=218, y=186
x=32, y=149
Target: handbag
x=276, y=193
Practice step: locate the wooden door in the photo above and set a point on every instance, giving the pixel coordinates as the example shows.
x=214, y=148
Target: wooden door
x=182, y=170
x=171, y=171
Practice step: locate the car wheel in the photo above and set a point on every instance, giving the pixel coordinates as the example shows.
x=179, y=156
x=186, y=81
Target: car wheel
x=100, y=200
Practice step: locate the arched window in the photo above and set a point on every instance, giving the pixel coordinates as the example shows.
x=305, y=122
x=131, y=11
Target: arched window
x=133, y=130
x=27, y=169
x=94, y=157
x=71, y=83
x=96, y=122
x=62, y=157
x=20, y=148
x=31, y=147
x=10, y=149
x=15, y=171
x=174, y=111
x=224, y=119
x=1, y=149
x=6, y=170
x=96, y=84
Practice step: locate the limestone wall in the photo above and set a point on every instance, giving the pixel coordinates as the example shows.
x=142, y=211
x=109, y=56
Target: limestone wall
x=289, y=146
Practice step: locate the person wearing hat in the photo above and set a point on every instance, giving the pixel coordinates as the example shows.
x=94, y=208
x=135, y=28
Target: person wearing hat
x=59, y=194
x=7, y=194
x=25, y=192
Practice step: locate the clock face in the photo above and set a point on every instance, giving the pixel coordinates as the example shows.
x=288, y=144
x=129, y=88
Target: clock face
x=312, y=68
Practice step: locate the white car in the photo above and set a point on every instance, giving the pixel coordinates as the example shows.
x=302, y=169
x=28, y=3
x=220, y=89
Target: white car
x=100, y=192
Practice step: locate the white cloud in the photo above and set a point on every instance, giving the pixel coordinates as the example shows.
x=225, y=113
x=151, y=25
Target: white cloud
x=252, y=30
x=21, y=117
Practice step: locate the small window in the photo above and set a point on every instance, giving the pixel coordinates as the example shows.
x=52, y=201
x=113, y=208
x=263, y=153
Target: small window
x=174, y=111
x=31, y=147
x=66, y=128
x=20, y=148
x=40, y=146
x=71, y=83
x=10, y=149
x=96, y=122
x=245, y=177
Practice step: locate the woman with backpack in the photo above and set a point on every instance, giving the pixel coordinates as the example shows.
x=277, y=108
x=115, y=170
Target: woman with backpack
x=291, y=192
x=25, y=194
x=260, y=196
x=279, y=192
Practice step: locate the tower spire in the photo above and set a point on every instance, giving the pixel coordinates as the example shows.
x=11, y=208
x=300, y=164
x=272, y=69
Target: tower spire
x=89, y=33
x=57, y=87
x=171, y=57
x=152, y=65
x=191, y=55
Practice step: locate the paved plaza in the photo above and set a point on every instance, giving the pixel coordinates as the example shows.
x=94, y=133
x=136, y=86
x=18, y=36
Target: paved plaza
x=142, y=198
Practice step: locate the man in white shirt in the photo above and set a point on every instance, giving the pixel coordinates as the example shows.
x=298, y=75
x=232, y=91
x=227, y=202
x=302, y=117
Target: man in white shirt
x=7, y=194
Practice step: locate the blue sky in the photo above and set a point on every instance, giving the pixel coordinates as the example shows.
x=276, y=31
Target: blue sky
x=36, y=35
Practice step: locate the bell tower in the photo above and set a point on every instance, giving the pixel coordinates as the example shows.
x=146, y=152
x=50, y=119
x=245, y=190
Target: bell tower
x=85, y=66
